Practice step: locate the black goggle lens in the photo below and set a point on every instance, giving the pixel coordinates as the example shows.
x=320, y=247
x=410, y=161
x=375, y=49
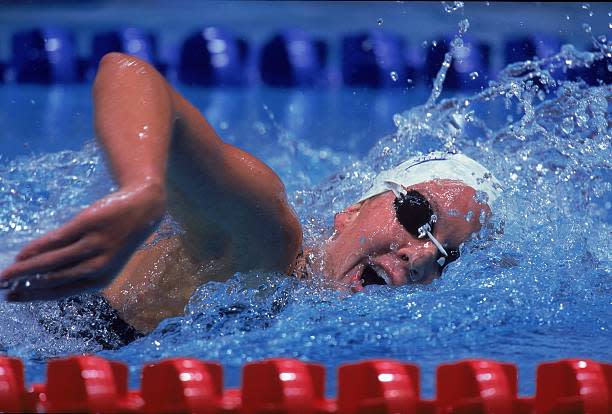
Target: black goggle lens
x=413, y=211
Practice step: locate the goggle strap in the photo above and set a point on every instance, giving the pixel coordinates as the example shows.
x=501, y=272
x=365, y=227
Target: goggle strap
x=437, y=243
x=398, y=190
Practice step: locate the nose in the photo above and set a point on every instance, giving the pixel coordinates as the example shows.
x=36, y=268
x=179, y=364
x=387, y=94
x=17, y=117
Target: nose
x=420, y=262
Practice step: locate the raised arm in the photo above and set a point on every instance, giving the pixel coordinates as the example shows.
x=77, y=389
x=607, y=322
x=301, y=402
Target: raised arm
x=163, y=154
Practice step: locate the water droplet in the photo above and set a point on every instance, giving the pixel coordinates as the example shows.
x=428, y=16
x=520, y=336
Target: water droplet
x=464, y=25
x=567, y=17
x=609, y=25
x=567, y=125
x=610, y=67
x=380, y=21
x=409, y=81
x=424, y=44
x=474, y=75
x=399, y=120
x=434, y=43
x=260, y=128
x=602, y=38
x=457, y=43
x=469, y=216
x=449, y=8
x=586, y=27
x=394, y=76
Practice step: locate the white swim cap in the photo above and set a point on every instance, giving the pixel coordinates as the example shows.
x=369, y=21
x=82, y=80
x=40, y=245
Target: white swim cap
x=437, y=165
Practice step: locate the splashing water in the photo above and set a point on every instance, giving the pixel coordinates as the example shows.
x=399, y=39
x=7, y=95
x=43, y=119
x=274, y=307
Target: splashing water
x=537, y=291
x=452, y=7
x=455, y=46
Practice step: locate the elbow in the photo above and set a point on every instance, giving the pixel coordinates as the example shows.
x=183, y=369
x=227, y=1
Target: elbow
x=115, y=66
x=108, y=70
x=113, y=61
x=110, y=64
x=113, y=58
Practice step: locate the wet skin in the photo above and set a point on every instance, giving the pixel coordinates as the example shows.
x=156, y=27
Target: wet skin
x=370, y=234
x=164, y=156
x=233, y=208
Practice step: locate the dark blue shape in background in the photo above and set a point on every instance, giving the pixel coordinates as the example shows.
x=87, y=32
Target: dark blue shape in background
x=369, y=59
x=527, y=47
x=293, y=58
x=45, y=55
x=597, y=73
x=213, y=57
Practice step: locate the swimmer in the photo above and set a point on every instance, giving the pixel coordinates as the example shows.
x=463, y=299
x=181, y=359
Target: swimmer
x=165, y=157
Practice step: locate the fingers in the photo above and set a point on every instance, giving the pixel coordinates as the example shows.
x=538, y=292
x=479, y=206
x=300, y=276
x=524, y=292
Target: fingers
x=54, y=240
x=51, y=260
x=76, y=287
x=86, y=276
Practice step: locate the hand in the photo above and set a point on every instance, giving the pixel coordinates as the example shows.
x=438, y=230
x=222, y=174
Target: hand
x=89, y=251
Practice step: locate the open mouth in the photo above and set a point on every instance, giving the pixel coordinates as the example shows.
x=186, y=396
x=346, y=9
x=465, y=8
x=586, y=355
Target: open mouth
x=373, y=275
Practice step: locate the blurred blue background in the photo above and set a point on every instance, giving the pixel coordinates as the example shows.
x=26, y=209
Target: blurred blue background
x=333, y=73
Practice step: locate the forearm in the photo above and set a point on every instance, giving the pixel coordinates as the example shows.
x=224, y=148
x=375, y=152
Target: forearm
x=133, y=120
x=152, y=135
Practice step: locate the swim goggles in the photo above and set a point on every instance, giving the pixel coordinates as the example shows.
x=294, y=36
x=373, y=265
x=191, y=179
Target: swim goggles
x=415, y=214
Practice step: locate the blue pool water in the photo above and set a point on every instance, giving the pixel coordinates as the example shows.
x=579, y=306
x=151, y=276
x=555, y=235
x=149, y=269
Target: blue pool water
x=537, y=290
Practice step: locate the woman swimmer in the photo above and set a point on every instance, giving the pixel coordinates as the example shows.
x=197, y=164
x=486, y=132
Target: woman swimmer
x=165, y=157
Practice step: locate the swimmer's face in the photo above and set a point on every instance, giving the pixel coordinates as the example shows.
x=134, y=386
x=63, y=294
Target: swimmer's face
x=368, y=237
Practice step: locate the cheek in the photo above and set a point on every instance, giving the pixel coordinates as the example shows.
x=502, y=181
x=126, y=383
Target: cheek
x=385, y=236
x=460, y=229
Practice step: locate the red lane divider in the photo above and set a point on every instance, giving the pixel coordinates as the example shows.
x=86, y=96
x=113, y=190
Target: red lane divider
x=378, y=387
x=283, y=386
x=275, y=386
x=574, y=386
x=87, y=384
x=13, y=396
x=479, y=386
x=182, y=385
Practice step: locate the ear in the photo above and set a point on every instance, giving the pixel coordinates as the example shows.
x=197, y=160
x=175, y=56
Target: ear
x=346, y=217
